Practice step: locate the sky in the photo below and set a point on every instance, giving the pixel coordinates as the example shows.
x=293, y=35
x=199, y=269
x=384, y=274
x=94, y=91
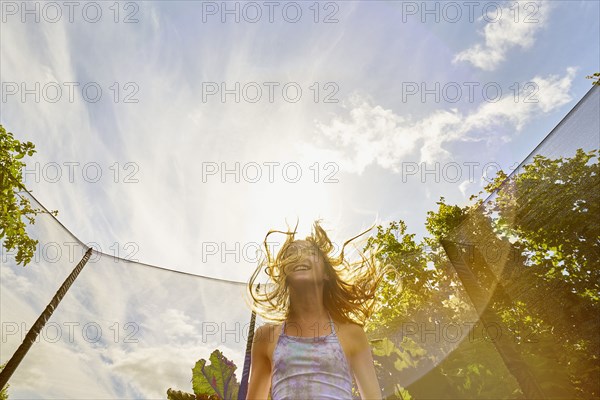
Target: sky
x=384, y=110
x=355, y=112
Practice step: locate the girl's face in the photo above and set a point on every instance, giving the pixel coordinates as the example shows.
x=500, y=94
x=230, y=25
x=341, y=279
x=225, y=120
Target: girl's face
x=303, y=263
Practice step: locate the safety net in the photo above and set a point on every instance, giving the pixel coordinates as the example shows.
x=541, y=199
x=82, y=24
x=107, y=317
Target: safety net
x=501, y=301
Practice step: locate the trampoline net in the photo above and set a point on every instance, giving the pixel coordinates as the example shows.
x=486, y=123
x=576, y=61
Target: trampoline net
x=502, y=303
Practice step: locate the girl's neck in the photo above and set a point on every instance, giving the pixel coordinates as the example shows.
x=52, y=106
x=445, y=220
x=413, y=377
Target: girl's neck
x=308, y=315
x=306, y=321
x=306, y=306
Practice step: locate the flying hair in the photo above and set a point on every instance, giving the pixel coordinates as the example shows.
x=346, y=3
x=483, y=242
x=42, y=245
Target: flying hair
x=349, y=295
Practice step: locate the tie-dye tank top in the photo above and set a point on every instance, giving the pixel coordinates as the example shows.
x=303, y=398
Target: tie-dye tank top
x=310, y=368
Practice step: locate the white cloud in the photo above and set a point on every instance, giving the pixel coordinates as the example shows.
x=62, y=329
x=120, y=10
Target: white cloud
x=49, y=367
x=177, y=323
x=20, y=284
x=373, y=135
x=513, y=27
x=464, y=186
x=153, y=370
x=550, y=92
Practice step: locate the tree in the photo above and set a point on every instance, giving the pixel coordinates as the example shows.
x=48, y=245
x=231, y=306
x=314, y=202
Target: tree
x=549, y=213
x=535, y=247
x=12, y=226
x=595, y=75
x=426, y=300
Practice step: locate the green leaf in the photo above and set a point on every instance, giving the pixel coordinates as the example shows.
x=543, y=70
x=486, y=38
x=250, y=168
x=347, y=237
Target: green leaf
x=217, y=378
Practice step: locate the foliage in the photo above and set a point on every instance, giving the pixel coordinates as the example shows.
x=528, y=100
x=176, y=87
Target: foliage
x=542, y=222
x=428, y=298
x=551, y=231
x=179, y=395
x=216, y=381
x=218, y=377
x=407, y=258
x=595, y=75
x=550, y=212
x=12, y=227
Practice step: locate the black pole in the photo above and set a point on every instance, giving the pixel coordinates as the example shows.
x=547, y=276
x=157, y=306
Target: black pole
x=248, y=357
x=18, y=356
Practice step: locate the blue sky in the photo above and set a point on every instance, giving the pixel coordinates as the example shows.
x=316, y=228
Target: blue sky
x=159, y=210
x=372, y=137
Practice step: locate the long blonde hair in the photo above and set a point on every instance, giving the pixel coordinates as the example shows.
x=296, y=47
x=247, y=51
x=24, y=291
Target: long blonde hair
x=349, y=295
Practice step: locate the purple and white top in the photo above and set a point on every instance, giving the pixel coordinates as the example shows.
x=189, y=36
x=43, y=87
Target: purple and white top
x=310, y=368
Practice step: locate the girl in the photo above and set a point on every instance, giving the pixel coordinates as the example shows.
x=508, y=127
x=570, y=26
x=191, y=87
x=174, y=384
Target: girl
x=322, y=303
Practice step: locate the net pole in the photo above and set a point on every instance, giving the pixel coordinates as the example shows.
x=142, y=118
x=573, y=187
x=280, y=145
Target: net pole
x=248, y=356
x=33, y=333
x=247, y=360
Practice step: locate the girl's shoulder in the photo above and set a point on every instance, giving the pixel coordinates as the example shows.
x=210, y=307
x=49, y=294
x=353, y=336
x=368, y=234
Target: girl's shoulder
x=348, y=326
x=267, y=327
x=352, y=335
x=266, y=333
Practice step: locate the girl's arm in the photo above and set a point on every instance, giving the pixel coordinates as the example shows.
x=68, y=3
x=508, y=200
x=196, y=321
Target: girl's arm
x=260, y=368
x=363, y=366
